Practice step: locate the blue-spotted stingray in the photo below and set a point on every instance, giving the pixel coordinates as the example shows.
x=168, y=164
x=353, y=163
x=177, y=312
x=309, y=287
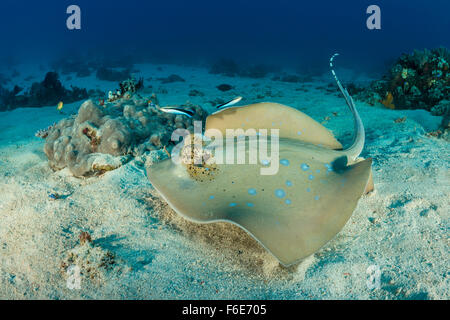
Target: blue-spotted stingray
x=293, y=213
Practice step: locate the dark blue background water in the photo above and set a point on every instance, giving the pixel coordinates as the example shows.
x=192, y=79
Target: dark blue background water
x=297, y=33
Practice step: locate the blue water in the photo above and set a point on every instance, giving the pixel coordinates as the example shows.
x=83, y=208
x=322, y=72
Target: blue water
x=288, y=33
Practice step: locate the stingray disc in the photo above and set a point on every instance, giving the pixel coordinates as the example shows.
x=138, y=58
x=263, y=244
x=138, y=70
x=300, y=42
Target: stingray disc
x=291, y=213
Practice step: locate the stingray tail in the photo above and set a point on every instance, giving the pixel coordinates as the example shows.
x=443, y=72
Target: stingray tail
x=359, y=136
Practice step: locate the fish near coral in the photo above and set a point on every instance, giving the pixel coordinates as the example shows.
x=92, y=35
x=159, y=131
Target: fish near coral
x=291, y=213
x=229, y=103
x=388, y=101
x=178, y=111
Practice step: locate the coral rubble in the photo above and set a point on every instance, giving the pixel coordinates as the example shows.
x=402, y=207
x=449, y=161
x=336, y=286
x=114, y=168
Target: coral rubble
x=196, y=93
x=229, y=67
x=92, y=261
x=172, y=78
x=225, y=67
x=43, y=133
x=257, y=71
x=73, y=64
x=291, y=78
x=126, y=89
x=445, y=125
x=110, y=74
x=110, y=68
x=224, y=87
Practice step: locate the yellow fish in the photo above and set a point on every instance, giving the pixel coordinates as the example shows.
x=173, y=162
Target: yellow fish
x=60, y=105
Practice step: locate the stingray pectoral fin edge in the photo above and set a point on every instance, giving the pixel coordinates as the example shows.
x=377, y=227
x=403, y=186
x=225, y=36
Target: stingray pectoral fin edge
x=289, y=238
x=299, y=236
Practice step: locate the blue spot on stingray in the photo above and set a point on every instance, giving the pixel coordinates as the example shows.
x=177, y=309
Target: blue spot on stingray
x=318, y=171
x=284, y=162
x=249, y=204
x=287, y=201
x=316, y=198
x=329, y=167
x=233, y=204
x=211, y=197
x=252, y=191
x=304, y=167
x=308, y=189
x=299, y=132
x=280, y=193
x=289, y=183
x=203, y=204
x=311, y=177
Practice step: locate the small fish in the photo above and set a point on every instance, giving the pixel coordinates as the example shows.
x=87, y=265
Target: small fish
x=229, y=103
x=60, y=105
x=176, y=110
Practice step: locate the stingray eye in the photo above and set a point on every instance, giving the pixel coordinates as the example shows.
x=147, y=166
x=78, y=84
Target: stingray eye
x=197, y=152
x=192, y=154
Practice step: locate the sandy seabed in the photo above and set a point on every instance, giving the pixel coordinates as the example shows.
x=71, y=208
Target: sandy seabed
x=142, y=250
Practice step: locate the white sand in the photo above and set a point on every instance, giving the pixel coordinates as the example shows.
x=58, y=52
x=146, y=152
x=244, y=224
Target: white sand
x=402, y=227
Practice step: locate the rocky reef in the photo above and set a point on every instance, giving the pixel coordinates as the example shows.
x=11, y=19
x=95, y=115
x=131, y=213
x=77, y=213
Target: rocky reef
x=48, y=92
x=110, y=74
x=229, y=67
x=171, y=79
x=420, y=80
x=84, y=64
x=226, y=67
x=81, y=66
x=101, y=137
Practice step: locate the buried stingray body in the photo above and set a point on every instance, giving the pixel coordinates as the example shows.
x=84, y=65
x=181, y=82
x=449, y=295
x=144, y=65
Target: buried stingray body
x=292, y=213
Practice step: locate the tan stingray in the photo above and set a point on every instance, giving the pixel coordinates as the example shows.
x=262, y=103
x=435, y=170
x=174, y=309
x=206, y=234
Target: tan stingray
x=293, y=212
